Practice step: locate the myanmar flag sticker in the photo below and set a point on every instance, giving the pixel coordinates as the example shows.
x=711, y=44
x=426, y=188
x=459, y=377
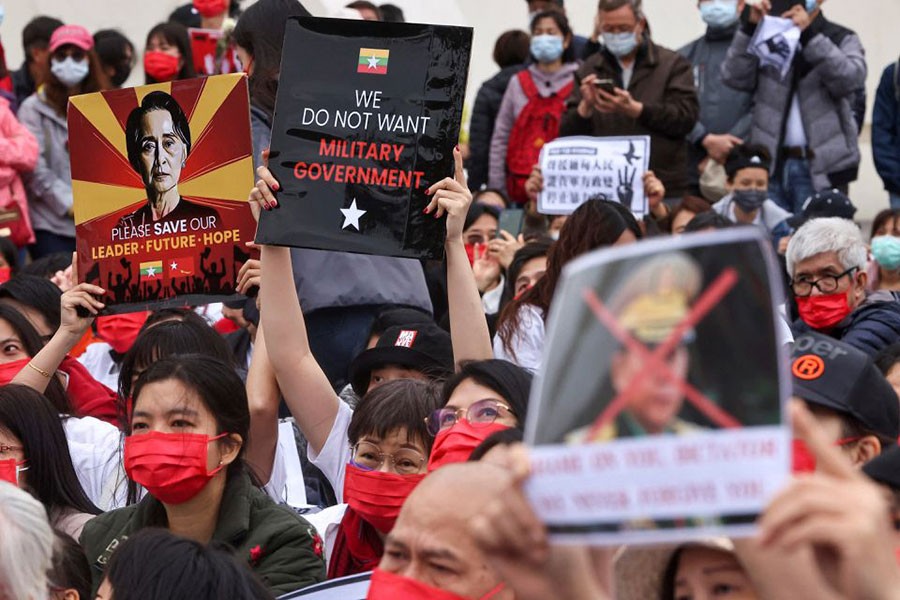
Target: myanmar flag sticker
x=151, y=270
x=373, y=61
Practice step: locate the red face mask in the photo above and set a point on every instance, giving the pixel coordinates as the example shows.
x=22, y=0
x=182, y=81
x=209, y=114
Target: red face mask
x=823, y=312
x=120, y=331
x=455, y=445
x=5, y=274
x=9, y=470
x=390, y=586
x=210, y=8
x=161, y=66
x=9, y=370
x=804, y=461
x=378, y=496
x=172, y=466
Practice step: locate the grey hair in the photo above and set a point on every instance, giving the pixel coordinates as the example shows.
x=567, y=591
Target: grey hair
x=831, y=234
x=26, y=545
x=609, y=5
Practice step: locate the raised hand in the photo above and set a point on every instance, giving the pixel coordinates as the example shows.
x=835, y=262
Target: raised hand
x=451, y=196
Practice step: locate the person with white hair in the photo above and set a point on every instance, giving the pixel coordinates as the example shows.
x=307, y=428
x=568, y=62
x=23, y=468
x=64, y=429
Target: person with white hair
x=826, y=262
x=26, y=545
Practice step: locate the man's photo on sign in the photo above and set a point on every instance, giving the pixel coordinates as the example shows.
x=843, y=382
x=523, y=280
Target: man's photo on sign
x=158, y=139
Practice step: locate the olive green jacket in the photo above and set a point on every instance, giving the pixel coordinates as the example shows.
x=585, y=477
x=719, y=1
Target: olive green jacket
x=279, y=545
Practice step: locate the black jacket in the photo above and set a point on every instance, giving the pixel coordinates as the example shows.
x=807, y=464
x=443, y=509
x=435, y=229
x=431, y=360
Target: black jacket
x=481, y=127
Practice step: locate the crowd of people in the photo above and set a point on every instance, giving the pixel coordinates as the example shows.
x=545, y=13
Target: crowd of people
x=324, y=426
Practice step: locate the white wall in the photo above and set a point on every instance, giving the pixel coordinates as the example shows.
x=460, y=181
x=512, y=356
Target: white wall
x=674, y=23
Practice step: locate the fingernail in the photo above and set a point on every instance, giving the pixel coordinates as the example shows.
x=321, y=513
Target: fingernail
x=457, y=148
x=275, y=186
x=426, y=210
x=428, y=192
x=435, y=215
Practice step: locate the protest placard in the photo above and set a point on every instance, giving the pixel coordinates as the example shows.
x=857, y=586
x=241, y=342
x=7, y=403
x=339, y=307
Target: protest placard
x=578, y=168
x=659, y=410
x=352, y=587
x=160, y=180
x=366, y=119
x=212, y=54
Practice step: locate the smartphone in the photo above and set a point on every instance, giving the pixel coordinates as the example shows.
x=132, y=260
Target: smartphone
x=607, y=85
x=779, y=7
x=511, y=221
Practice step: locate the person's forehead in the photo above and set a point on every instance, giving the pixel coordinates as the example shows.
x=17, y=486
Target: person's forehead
x=623, y=14
x=164, y=396
x=534, y=265
x=754, y=172
x=158, y=120
x=469, y=392
x=433, y=526
x=819, y=262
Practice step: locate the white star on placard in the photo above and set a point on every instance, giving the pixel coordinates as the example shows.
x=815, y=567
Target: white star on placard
x=352, y=215
x=151, y=272
x=173, y=266
x=373, y=62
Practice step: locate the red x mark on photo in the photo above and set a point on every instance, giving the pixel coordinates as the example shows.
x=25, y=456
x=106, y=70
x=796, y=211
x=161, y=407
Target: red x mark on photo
x=657, y=359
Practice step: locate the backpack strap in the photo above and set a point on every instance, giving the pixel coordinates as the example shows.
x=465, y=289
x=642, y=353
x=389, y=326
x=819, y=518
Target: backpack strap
x=527, y=83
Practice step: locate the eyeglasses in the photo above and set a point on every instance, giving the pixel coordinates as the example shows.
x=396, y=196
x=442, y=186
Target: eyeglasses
x=827, y=285
x=4, y=448
x=405, y=461
x=77, y=54
x=480, y=414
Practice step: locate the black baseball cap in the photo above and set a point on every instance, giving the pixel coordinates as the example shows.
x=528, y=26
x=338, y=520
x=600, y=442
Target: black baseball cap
x=828, y=203
x=747, y=156
x=829, y=373
x=422, y=347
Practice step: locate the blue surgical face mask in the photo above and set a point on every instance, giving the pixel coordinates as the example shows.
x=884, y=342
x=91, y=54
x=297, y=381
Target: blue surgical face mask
x=811, y=5
x=886, y=251
x=620, y=44
x=719, y=14
x=546, y=48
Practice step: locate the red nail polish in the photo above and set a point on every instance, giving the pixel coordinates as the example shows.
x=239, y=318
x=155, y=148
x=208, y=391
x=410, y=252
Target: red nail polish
x=457, y=147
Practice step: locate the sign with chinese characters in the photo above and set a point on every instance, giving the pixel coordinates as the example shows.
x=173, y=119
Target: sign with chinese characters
x=366, y=119
x=160, y=176
x=576, y=169
x=648, y=424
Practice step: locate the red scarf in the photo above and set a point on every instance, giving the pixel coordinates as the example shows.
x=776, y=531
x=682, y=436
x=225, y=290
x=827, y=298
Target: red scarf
x=357, y=547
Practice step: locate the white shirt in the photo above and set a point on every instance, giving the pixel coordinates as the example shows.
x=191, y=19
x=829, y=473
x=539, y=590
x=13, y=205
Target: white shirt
x=327, y=522
x=335, y=454
x=627, y=73
x=794, y=133
x=96, y=450
x=490, y=300
x=97, y=360
x=286, y=483
x=527, y=340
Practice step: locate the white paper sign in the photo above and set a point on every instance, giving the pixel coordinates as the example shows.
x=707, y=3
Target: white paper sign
x=352, y=587
x=775, y=43
x=578, y=168
x=658, y=414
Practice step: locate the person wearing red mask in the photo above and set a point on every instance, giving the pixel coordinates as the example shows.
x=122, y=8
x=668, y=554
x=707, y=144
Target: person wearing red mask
x=484, y=397
x=103, y=359
x=855, y=406
x=184, y=445
x=167, y=54
x=431, y=552
x=826, y=261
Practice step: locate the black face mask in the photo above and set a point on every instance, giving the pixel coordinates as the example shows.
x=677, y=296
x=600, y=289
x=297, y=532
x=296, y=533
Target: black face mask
x=120, y=74
x=749, y=200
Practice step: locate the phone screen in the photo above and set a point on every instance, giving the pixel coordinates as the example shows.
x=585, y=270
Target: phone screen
x=511, y=221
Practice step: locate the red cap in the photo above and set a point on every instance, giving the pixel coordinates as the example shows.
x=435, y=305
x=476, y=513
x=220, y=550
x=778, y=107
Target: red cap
x=71, y=34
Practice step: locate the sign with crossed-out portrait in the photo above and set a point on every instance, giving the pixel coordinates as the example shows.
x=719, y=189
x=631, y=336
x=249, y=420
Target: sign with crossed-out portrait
x=659, y=410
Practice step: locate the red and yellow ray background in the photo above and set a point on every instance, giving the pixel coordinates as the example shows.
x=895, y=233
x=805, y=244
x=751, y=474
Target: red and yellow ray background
x=218, y=172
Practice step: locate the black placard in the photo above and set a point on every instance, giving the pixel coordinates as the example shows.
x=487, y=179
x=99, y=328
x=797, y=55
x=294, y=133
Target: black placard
x=366, y=119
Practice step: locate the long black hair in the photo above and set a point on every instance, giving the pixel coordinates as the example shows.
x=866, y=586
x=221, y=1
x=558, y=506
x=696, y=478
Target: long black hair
x=216, y=385
x=154, y=564
x=32, y=343
x=38, y=293
x=260, y=31
x=30, y=417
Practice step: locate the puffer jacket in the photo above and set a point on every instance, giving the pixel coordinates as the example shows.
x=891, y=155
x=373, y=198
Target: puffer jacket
x=873, y=326
x=18, y=156
x=481, y=127
x=50, y=185
x=886, y=130
x=826, y=73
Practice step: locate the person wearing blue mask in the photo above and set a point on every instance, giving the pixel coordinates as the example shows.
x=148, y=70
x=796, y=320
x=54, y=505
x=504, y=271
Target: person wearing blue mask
x=636, y=87
x=805, y=119
x=724, y=112
x=532, y=105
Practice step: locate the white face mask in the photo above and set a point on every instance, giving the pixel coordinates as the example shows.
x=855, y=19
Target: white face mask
x=69, y=71
x=2, y=13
